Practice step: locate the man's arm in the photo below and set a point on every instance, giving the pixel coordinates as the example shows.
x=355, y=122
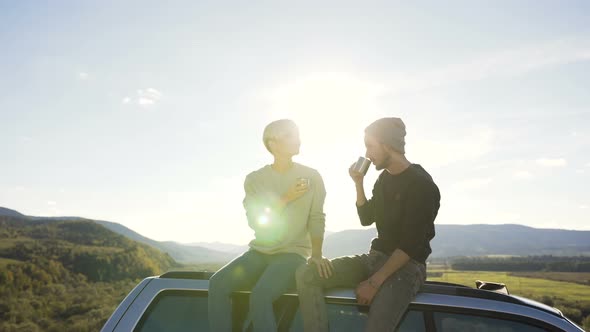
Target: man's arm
x=366, y=290
x=361, y=199
x=364, y=207
x=397, y=259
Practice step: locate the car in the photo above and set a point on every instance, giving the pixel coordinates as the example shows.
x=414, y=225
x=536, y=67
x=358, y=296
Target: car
x=177, y=301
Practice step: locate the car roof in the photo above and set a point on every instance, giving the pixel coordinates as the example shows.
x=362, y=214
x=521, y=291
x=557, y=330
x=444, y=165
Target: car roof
x=429, y=288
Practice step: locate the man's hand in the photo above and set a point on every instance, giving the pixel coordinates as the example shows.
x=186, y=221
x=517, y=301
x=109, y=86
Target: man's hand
x=357, y=177
x=295, y=192
x=324, y=266
x=365, y=292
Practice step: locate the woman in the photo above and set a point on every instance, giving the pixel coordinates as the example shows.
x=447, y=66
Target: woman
x=284, y=206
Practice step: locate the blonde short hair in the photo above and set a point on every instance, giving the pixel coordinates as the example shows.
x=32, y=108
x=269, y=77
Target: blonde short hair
x=276, y=129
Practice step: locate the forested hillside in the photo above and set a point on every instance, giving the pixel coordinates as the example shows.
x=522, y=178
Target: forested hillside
x=64, y=275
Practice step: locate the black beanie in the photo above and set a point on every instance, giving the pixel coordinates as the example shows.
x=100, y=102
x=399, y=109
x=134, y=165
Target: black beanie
x=390, y=131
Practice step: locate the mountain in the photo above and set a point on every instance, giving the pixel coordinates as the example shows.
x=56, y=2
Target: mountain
x=450, y=241
x=476, y=240
x=10, y=213
x=78, y=247
x=180, y=252
x=67, y=274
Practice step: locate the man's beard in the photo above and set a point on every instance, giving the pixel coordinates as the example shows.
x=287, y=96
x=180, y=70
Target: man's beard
x=382, y=165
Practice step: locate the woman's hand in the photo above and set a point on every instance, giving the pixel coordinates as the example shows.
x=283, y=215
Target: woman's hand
x=324, y=266
x=295, y=192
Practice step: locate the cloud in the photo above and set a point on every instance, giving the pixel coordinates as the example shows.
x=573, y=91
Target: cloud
x=51, y=203
x=509, y=62
x=522, y=175
x=143, y=97
x=145, y=101
x=584, y=207
x=588, y=165
x=151, y=93
x=548, y=162
x=83, y=76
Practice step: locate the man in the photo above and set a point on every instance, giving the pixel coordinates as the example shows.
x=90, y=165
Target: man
x=404, y=204
x=284, y=206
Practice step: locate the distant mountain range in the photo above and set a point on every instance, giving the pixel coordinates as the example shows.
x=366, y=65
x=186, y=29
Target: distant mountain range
x=450, y=241
x=476, y=240
x=182, y=253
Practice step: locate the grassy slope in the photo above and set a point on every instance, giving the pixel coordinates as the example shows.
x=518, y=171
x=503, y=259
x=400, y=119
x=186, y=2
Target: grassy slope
x=518, y=285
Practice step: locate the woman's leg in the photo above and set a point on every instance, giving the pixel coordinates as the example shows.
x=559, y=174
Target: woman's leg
x=241, y=273
x=278, y=278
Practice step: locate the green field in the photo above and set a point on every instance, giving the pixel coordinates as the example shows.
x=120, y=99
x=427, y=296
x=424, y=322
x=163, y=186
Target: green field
x=572, y=298
x=582, y=278
x=519, y=285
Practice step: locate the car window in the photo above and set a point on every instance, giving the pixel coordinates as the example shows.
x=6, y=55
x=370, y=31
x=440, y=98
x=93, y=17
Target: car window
x=175, y=311
x=413, y=321
x=347, y=317
x=448, y=322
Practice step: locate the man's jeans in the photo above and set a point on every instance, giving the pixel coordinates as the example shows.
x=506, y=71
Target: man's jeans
x=388, y=305
x=268, y=276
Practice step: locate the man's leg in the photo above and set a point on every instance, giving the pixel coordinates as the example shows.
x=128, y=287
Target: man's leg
x=348, y=272
x=277, y=279
x=394, y=296
x=241, y=273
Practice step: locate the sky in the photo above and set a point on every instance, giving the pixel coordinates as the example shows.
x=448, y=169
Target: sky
x=150, y=114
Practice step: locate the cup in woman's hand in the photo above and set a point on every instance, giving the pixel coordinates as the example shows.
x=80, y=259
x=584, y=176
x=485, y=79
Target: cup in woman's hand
x=303, y=182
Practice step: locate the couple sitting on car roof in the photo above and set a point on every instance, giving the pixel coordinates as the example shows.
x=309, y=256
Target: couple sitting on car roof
x=284, y=206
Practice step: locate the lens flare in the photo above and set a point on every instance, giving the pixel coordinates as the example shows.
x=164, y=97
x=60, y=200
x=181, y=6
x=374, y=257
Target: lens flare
x=263, y=220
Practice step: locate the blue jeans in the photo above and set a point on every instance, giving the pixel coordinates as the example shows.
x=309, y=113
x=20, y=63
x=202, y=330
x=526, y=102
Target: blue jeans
x=268, y=276
x=389, y=304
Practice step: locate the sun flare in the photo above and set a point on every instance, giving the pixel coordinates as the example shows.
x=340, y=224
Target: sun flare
x=327, y=106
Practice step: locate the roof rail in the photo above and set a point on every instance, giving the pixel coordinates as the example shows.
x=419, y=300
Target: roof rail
x=197, y=275
x=442, y=283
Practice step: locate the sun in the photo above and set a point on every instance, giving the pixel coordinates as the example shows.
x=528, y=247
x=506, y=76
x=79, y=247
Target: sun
x=327, y=106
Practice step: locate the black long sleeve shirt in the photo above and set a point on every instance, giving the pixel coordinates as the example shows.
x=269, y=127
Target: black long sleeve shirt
x=403, y=207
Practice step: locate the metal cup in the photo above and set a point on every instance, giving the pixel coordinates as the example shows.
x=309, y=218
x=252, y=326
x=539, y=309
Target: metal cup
x=362, y=165
x=303, y=182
